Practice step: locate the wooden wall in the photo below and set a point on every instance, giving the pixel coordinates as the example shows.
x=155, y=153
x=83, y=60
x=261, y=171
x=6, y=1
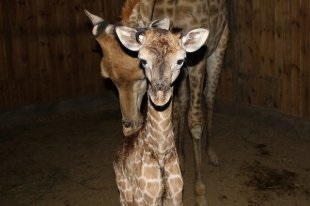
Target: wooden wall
x=268, y=60
x=47, y=53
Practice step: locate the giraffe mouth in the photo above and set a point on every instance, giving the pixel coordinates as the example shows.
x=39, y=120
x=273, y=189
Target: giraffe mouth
x=131, y=127
x=160, y=98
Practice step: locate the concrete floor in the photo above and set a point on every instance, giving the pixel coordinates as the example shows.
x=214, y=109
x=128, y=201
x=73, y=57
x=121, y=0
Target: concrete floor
x=65, y=158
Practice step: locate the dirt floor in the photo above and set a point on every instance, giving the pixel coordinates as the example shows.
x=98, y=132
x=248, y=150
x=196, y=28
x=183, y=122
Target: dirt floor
x=66, y=158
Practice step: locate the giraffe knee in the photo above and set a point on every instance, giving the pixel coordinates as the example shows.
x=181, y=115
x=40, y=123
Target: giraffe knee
x=196, y=132
x=200, y=187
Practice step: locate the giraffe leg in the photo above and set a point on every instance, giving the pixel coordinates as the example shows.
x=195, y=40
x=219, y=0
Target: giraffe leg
x=175, y=122
x=123, y=185
x=214, y=67
x=173, y=181
x=150, y=181
x=179, y=112
x=195, y=121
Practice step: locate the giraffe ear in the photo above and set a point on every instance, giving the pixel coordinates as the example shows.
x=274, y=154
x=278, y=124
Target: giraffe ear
x=162, y=24
x=194, y=39
x=128, y=37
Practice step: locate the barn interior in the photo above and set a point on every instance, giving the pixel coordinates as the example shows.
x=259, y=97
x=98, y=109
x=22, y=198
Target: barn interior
x=60, y=120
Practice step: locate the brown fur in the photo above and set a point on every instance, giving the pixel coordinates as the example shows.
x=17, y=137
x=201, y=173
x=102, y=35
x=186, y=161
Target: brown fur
x=122, y=67
x=125, y=73
x=127, y=9
x=129, y=143
x=115, y=58
x=160, y=40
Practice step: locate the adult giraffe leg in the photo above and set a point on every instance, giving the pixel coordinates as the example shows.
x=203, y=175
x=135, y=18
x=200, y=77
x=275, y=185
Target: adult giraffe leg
x=180, y=106
x=214, y=67
x=195, y=121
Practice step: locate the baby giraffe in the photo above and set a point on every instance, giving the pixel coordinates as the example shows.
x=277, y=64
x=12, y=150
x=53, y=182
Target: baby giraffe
x=147, y=166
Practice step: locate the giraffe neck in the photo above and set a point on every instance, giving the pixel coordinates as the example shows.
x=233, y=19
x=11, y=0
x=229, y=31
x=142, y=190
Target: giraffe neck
x=186, y=14
x=159, y=131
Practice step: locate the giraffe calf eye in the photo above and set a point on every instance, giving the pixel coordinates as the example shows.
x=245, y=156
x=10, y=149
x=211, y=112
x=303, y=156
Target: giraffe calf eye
x=143, y=62
x=180, y=62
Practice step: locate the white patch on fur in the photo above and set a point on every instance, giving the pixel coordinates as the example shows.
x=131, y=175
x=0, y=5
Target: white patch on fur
x=95, y=30
x=109, y=28
x=196, y=132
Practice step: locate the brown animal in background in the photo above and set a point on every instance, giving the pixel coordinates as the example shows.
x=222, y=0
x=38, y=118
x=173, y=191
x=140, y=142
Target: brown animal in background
x=123, y=69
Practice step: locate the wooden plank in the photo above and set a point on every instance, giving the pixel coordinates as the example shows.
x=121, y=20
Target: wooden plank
x=32, y=52
x=295, y=56
x=268, y=38
x=278, y=51
x=281, y=54
x=222, y=92
x=305, y=58
x=272, y=100
x=246, y=37
x=83, y=47
x=242, y=48
x=9, y=28
x=9, y=71
x=3, y=94
x=81, y=78
x=44, y=70
x=229, y=66
x=235, y=25
x=245, y=71
x=65, y=71
x=19, y=41
x=287, y=59
x=55, y=48
x=3, y=45
x=257, y=28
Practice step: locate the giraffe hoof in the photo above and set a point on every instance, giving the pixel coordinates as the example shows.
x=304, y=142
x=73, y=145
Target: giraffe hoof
x=200, y=194
x=201, y=201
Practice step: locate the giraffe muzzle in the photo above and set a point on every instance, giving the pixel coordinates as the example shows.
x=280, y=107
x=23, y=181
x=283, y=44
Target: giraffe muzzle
x=130, y=127
x=160, y=96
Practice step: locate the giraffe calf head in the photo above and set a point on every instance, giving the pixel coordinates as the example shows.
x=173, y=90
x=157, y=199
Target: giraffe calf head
x=162, y=54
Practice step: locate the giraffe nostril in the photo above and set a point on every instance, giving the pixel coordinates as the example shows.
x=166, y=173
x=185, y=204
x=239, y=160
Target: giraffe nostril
x=126, y=124
x=160, y=85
